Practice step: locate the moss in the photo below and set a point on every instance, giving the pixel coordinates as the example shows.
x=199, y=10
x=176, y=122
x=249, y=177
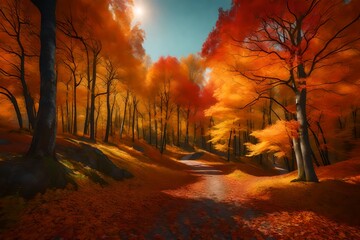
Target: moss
x=94, y=176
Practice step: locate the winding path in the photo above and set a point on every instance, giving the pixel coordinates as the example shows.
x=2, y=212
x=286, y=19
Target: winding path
x=210, y=178
x=200, y=210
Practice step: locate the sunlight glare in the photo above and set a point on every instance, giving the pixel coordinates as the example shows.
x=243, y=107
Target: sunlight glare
x=138, y=11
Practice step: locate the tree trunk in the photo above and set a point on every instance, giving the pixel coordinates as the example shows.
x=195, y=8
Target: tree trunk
x=130, y=118
x=86, y=122
x=304, y=136
x=229, y=146
x=164, y=131
x=354, y=118
x=97, y=118
x=270, y=106
x=317, y=142
x=325, y=151
x=263, y=125
x=235, y=144
x=161, y=123
x=75, y=107
x=163, y=139
x=108, y=112
x=203, y=140
x=133, y=119
x=67, y=109
x=187, y=127
x=29, y=102
x=124, y=114
x=156, y=125
x=299, y=160
x=15, y=104
x=62, y=118
x=178, y=126
x=150, y=135
x=112, y=120
x=137, y=125
x=44, y=138
x=92, y=99
x=96, y=51
x=195, y=129
x=143, y=129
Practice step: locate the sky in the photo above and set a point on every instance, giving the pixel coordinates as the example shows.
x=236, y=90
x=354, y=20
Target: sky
x=177, y=27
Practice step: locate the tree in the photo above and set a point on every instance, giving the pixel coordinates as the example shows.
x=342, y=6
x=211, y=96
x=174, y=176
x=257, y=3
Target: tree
x=111, y=75
x=4, y=91
x=68, y=27
x=15, y=26
x=44, y=138
x=126, y=100
x=165, y=74
x=72, y=64
x=290, y=43
x=188, y=91
x=96, y=49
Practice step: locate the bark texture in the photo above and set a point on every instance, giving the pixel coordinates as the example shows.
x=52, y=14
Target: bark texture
x=44, y=139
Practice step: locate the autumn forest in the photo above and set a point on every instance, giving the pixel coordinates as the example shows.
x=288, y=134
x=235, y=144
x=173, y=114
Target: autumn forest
x=254, y=136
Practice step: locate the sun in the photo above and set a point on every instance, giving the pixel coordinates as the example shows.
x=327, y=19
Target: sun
x=138, y=11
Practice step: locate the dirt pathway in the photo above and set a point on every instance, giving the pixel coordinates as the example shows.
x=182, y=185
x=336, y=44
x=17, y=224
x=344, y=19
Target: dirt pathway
x=200, y=210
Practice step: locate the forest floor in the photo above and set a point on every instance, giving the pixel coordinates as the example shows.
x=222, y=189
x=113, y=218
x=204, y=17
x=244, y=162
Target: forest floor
x=182, y=195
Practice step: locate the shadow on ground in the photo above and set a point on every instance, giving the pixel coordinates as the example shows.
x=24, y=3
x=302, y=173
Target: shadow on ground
x=334, y=199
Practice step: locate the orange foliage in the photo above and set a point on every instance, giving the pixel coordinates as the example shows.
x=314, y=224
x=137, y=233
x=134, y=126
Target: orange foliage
x=274, y=139
x=252, y=60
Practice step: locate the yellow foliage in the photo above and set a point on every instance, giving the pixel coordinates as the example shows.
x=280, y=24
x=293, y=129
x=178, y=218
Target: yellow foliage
x=274, y=139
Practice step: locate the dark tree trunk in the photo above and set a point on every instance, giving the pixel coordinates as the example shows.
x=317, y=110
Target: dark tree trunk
x=29, y=102
x=165, y=123
x=62, y=118
x=229, y=146
x=163, y=138
x=112, y=120
x=270, y=107
x=161, y=123
x=92, y=101
x=178, y=126
x=143, y=129
x=314, y=158
x=97, y=118
x=263, y=125
x=235, y=144
x=195, y=129
x=187, y=127
x=137, y=125
x=355, y=124
x=74, y=107
x=325, y=150
x=130, y=118
x=96, y=51
x=86, y=122
x=203, y=140
x=240, y=145
x=124, y=114
x=150, y=134
x=15, y=104
x=133, y=119
x=156, y=125
x=317, y=142
x=44, y=138
x=67, y=110
x=108, y=112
